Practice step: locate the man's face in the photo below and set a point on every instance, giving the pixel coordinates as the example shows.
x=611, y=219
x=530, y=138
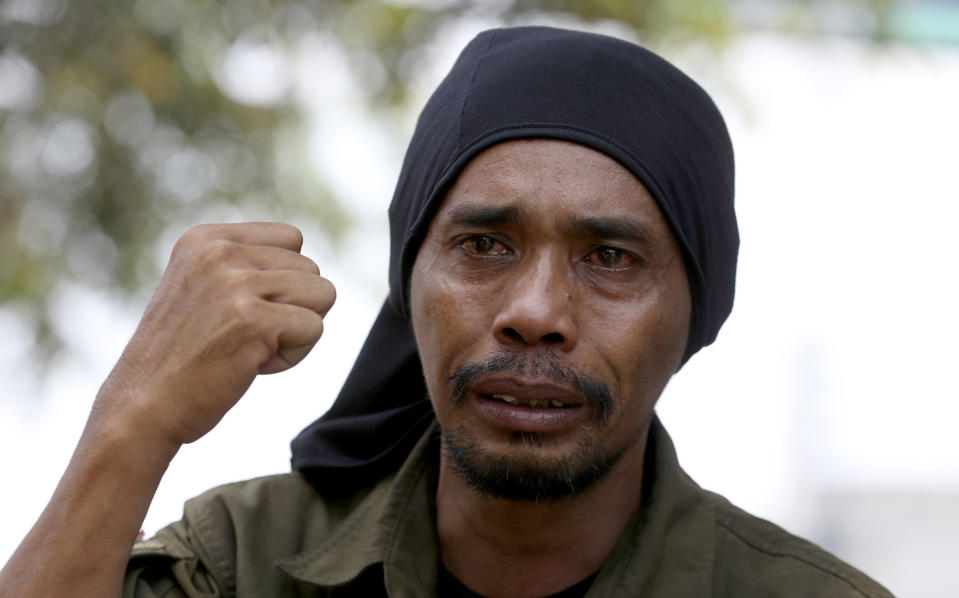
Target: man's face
x=550, y=307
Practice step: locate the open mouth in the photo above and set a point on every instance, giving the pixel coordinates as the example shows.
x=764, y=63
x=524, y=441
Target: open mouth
x=533, y=403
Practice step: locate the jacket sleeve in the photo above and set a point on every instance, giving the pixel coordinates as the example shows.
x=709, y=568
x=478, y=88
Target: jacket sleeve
x=172, y=564
x=253, y=522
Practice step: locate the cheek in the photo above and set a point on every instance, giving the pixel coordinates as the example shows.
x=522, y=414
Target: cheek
x=668, y=316
x=444, y=322
x=445, y=305
x=642, y=341
x=433, y=303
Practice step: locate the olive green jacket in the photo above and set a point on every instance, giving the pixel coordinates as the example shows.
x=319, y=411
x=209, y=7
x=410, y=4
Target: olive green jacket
x=276, y=536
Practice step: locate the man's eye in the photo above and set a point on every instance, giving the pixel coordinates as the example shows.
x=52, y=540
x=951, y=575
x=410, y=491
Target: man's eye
x=483, y=244
x=610, y=257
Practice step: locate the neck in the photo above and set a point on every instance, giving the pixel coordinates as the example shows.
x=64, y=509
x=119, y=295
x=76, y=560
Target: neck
x=521, y=549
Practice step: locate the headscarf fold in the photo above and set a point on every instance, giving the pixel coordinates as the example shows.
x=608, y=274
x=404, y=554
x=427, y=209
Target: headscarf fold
x=519, y=83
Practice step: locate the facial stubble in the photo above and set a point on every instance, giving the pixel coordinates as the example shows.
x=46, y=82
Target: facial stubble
x=525, y=473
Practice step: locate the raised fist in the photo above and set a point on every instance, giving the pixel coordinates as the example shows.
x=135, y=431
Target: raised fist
x=236, y=300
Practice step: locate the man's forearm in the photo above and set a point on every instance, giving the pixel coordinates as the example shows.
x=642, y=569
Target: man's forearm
x=81, y=543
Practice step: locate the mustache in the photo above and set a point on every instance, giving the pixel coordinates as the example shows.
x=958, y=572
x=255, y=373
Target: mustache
x=544, y=365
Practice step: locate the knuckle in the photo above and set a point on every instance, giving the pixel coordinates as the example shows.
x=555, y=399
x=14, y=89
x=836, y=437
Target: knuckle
x=217, y=251
x=312, y=266
x=330, y=291
x=186, y=241
x=196, y=234
x=201, y=238
x=294, y=234
x=315, y=326
x=244, y=310
x=233, y=279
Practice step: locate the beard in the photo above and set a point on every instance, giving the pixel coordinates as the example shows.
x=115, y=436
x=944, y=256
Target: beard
x=523, y=473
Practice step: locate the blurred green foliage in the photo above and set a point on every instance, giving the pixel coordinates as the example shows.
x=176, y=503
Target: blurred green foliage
x=122, y=118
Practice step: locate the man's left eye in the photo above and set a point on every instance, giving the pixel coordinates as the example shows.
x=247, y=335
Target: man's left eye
x=610, y=257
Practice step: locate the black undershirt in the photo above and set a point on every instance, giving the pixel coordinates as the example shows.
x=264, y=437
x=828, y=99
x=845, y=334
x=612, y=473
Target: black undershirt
x=448, y=586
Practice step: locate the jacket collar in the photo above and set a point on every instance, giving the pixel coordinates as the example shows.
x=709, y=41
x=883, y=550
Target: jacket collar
x=669, y=547
x=393, y=526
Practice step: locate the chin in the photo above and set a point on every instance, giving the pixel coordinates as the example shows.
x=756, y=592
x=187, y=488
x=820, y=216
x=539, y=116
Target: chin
x=530, y=467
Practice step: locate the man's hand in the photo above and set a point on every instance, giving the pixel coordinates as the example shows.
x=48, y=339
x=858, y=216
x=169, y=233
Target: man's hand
x=236, y=300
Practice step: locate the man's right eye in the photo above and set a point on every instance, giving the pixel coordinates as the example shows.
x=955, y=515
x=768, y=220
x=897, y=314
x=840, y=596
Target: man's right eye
x=483, y=245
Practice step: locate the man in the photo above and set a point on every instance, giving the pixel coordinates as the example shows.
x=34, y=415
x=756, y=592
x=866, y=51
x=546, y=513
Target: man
x=563, y=240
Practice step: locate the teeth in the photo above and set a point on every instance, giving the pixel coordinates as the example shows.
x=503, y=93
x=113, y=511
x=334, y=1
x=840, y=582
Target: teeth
x=534, y=403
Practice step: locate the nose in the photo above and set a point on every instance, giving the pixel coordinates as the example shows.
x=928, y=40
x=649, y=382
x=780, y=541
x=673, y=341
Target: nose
x=537, y=309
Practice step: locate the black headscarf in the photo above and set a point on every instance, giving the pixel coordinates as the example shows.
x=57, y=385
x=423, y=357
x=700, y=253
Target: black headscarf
x=532, y=82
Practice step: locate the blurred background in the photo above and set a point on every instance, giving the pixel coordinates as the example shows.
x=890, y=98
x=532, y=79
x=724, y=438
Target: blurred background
x=829, y=402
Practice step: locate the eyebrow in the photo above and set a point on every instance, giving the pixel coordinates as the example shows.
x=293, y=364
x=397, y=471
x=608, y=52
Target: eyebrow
x=612, y=228
x=484, y=216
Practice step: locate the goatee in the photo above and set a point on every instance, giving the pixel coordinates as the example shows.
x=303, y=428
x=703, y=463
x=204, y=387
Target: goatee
x=521, y=474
